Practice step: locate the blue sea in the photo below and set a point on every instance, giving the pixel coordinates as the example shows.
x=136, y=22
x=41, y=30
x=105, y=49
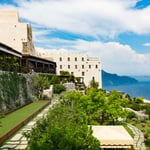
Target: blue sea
x=141, y=89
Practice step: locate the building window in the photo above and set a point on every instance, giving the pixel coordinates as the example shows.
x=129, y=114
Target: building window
x=68, y=66
x=72, y=73
x=82, y=66
x=75, y=58
x=82, y=58
x=82, y=73
x=68, y=58
x=76, y=66
x=90, y=66
x=60, y=58
x=60, y=66
x=96, y=66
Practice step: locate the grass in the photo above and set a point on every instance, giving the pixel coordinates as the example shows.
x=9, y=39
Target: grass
x=129, y=130
x=13, y=119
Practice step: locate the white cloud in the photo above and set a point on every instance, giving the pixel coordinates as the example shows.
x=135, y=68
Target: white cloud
x=105, y=18
x=147, y=44
x=89, y=17
x=115, y=57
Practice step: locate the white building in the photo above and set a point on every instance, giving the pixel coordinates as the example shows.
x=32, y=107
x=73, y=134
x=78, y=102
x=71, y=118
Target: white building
x=17, y=36
x=80, y=65
x=14, y=33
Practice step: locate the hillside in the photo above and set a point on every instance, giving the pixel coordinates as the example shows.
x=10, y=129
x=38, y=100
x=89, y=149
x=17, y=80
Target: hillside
x=109, y=79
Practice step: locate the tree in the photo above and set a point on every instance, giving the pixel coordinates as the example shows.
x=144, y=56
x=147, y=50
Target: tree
x=39, y=83
x=114, y=109
x=99, y=108
x=96, y=108
x=94, y=84
x=63, y=129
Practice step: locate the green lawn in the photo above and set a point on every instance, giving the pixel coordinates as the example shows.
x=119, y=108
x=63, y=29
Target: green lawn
x=11, y=120
x=129, y=130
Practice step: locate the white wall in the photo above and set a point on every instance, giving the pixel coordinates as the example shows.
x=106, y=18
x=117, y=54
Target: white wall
x=14, y=33
x=82, y=63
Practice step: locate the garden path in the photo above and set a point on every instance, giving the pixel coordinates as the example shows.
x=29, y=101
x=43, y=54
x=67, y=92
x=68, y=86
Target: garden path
x=138, y=138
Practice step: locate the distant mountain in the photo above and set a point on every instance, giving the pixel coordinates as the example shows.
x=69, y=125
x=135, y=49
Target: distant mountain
x=109, y=79
x=142, y=78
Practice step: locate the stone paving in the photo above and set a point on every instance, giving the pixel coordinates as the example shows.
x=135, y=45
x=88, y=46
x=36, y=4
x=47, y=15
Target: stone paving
x=19, y=141
x=138, y=138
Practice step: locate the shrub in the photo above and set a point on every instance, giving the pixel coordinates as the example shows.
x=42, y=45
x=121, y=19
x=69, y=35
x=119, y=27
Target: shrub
x=147, y=142
x=131, y=115
x=58, y=88
x=65, y=73
x=55, y=80
x=139, y=100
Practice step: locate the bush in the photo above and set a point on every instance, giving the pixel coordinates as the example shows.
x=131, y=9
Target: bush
x=64, y=73
x=139, y=100
x=55, y=80
x=131, y=115
x=58, y=88
x=135, y=106
x=147, y=142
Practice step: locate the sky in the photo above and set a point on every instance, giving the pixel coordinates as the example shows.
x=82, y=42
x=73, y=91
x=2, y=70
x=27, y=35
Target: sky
x=116, y=31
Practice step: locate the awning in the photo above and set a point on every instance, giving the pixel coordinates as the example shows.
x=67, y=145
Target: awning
x=112, y=136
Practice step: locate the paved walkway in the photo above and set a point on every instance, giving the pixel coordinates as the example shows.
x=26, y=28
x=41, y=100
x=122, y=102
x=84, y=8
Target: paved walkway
x=138, y=138
x=19, y=141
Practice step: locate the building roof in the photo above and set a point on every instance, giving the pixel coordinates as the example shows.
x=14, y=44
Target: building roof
x=38, y=59
x=112, y=136
x=5, y=48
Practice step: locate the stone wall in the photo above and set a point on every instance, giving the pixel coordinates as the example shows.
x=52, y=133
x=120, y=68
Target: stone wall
x=15, y=90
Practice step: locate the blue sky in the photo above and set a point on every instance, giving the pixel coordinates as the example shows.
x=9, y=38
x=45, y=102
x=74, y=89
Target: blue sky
x=117, y=31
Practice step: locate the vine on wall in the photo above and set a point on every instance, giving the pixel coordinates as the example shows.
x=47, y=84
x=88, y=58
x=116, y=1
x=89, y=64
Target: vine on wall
x=13, y=90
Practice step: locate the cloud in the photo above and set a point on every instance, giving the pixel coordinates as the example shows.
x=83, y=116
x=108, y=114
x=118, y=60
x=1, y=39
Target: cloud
x=96, y=18
x=88, y=17
x=147, y=44
x=115, y=57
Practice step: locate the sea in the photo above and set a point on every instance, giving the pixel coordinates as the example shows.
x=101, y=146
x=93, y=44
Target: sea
x=140, y=89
